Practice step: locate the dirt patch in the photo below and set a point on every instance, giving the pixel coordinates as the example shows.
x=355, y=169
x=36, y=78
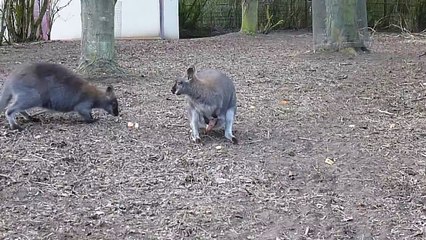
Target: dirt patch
x=332, y=146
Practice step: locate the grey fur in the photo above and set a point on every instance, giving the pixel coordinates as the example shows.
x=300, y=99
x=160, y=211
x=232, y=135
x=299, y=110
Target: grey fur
x=53, y=87
x=210, y=94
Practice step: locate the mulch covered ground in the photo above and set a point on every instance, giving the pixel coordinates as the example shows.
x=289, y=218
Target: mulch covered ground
x=332, y=146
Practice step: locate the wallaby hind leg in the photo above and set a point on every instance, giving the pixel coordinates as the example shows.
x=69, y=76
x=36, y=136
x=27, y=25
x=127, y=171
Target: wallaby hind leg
x=28, y=117
x=194, y=122
x=11, y=118
x=229, y=121
x=19, y=105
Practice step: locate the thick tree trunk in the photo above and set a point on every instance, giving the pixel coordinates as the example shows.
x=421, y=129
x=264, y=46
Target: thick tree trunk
x=249, y=16
x=342, y=27
x=97, y=42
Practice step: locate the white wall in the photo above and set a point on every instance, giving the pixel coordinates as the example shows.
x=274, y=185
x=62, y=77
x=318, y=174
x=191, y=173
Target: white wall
x=170, y=19
x=140, y=18
x=134, y=18
x=68, y=22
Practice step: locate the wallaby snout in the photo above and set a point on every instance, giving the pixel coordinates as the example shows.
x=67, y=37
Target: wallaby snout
x=174, y=90
x=112, y=110
x=180, y=87
x=112, y=103
x=115, y=112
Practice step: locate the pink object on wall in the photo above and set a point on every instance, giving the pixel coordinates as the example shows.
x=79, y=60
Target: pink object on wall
x=45, y=22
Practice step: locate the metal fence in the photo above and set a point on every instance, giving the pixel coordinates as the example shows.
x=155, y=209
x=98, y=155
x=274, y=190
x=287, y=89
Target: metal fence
x=382, y=14
x=391, y=14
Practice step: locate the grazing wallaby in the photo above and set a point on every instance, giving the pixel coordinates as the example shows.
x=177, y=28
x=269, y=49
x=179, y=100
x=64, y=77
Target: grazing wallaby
x=211, y=99
x=53, y=87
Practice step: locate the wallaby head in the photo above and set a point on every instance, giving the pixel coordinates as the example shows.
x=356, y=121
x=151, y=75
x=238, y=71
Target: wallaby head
x=183, y=84
x=110, y=103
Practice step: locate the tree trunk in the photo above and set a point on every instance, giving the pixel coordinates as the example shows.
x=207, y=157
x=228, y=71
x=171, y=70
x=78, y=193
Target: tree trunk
x=97, y=42
x=3, y=21
x=342, y=24
x=249, y=16
x=36, y=31
x=19, y=20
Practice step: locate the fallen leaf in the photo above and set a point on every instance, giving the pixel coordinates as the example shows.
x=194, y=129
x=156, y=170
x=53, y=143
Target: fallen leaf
x=341, y=77
x=220, y=180
x=284, y=102
x=329, y=161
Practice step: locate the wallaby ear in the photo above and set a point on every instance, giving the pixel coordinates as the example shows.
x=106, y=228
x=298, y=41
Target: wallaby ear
x=190, y=72
x=109, y=89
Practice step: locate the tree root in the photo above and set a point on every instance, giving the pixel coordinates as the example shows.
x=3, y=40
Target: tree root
x=98, y=66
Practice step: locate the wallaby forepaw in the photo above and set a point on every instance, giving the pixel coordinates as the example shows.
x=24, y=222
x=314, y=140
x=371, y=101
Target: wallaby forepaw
x=234, y=140
x=34, y=119
x=198, y=141
x=16, y=127
x=29, y=118
x=91, y=120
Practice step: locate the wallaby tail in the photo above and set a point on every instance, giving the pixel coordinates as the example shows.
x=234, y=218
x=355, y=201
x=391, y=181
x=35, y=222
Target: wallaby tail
x=5, y=97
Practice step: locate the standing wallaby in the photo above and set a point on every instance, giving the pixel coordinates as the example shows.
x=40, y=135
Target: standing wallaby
x=211, y=99
x=53, y=87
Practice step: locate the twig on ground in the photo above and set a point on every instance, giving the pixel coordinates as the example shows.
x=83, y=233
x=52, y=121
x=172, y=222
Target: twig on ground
x=254, y=141
x=308, y=139
x=8, y=177
x=385, y=112
x=418, y=99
